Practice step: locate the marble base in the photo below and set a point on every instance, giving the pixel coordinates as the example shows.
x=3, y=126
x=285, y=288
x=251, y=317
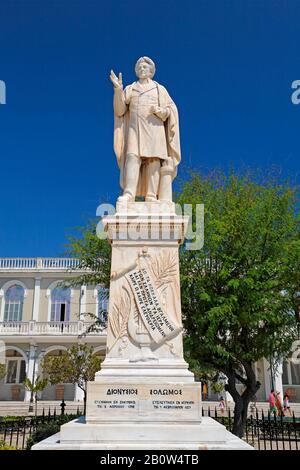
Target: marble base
x=159, y=370
x=145, y=208
x=78, y=435
x=143, y=402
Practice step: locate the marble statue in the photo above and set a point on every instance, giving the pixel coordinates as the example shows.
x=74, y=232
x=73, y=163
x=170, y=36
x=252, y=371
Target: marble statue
x=144, y=396
x=146, y=135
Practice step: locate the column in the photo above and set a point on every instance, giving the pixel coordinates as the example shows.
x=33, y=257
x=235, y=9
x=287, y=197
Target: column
x=276, y=383
x=82, y=306
x=278, y=380
x=32, y=366
x=36, y=299
x=267, y=378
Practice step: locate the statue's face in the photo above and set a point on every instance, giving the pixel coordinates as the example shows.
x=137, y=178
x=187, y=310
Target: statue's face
x=144, y=70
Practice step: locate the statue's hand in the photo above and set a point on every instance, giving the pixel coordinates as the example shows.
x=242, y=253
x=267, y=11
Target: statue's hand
x=162, y=113
x=116, y=81
x=155, y=109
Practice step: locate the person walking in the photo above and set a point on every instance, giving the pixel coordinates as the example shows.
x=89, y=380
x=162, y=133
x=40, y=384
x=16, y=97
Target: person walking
x=286, y=404
x=278, y=404
x=222, y=406
x=204, y=391
x=271, y=401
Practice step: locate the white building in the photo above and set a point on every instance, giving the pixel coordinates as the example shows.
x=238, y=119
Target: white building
x=39, y=317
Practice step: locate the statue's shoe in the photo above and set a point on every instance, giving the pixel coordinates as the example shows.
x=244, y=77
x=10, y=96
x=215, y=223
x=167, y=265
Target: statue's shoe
x=125, y=198
x=150, y=199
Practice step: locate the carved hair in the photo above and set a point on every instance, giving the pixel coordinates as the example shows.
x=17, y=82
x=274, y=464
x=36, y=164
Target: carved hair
x=148, y=61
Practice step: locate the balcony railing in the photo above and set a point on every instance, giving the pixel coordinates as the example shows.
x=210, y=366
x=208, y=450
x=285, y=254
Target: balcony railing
x=7, y=264
x=51, y=328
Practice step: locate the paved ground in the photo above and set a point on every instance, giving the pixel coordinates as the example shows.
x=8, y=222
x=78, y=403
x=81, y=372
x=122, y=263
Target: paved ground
x=260, y=406
x=19, y=408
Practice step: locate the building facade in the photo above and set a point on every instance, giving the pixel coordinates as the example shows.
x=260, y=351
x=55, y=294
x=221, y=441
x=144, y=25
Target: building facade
x=40, y=316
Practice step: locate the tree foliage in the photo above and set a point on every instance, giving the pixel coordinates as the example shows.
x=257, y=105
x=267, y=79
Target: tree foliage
x=37, y=386
x=77, y=366
x=239, y=292
x=94, y=255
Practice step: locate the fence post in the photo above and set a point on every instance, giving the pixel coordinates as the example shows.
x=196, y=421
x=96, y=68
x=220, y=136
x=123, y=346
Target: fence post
x=282, y=430
x=18, y=431
x=5, y=431
x=11, y=433
x=264, y=429
x=289, y=434
x=257, y=427
x=295, y=430
x=63, y=406
x=276, y=433
x=24, y=434
x=252, y=429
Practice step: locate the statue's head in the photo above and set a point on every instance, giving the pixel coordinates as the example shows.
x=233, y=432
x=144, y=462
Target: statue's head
x=145, y=68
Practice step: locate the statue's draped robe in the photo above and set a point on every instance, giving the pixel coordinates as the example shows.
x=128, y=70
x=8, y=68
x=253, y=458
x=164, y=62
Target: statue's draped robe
x=138, y=131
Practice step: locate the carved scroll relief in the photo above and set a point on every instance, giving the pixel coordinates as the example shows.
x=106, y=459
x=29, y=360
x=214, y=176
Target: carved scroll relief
x=144, y=289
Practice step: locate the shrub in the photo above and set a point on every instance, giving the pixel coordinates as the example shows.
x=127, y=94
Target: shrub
x=47, y=429
x=42, y=432
x=4, y=446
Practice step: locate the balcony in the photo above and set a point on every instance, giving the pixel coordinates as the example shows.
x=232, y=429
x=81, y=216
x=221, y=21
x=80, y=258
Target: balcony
x=38, y=264
x=55, y=328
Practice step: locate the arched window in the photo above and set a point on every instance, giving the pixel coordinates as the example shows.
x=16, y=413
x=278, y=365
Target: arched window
x=14, y=300
x=103, y=295
x=60, y=304
x=15, y=367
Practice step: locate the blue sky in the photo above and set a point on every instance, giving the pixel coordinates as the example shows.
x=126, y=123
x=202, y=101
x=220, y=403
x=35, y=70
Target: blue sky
x=228, y=65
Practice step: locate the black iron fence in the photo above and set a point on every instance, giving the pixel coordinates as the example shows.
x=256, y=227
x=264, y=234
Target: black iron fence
x=264, y=431
x=15, y=431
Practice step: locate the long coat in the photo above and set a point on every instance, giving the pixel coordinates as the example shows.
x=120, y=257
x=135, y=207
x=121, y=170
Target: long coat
x=141, y=132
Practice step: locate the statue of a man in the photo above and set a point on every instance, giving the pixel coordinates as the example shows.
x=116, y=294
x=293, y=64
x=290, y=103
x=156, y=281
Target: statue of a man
x=146, y=135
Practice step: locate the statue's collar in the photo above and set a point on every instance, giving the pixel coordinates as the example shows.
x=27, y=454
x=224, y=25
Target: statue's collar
x=143, y=89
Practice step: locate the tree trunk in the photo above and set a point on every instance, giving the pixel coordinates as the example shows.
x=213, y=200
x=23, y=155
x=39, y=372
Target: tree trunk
x=84, y=402
x=240, y=417
x=242, y=401
x=35, y=405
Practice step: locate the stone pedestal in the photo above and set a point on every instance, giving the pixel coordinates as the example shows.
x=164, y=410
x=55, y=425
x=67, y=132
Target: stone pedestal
x=145, y=329
x=144, y=396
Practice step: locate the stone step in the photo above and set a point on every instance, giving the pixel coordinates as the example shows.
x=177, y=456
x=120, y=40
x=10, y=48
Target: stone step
x=17, y=408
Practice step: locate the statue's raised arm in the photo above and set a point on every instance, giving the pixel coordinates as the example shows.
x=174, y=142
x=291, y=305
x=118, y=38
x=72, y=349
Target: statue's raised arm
x=146, y=135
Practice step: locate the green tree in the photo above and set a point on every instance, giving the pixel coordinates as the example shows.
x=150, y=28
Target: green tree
x=237, y=292
x=94, y=255
x=35, y=387
x=77, y=366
